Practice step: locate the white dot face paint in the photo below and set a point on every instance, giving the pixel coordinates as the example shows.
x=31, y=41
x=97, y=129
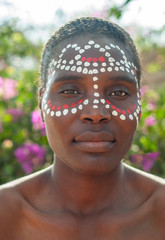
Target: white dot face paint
x=86, y=102
x=58, y=113
x=96, y=94
x=77, y=57
x=79, y=63
x=95, y=106
x=73, y=110
x=52, y=113
x=95, y=101
x=80, y=107
x=84, y=62
x=102, y=101
x=65, y=112
x=114, y=113
x=96, y=46
x=91, y=42
x=79, y=69
x=81, y=51
x=95, y=78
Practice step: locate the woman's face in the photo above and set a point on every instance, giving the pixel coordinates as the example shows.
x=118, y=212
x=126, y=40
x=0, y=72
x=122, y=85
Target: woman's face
x=91, y=104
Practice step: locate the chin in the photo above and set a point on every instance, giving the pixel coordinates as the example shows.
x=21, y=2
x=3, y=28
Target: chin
x=94, y=165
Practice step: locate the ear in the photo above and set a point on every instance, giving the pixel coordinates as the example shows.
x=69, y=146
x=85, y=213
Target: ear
x=41, y=91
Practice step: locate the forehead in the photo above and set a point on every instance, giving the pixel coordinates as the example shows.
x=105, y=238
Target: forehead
x=87, y=55
x=91, y=44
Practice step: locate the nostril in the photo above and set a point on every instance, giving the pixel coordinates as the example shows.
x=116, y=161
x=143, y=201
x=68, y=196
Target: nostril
x=96, y=120
x=104, y=119
x=88, y=119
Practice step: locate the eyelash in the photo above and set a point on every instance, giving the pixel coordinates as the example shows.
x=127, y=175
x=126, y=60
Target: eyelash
x=119, y=93
x=69, y=91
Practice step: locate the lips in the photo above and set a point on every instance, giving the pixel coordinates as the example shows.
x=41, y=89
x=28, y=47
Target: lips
x=94, y=141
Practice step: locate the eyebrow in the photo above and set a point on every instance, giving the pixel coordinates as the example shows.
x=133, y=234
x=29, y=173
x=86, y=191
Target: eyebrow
x=123, y=78
x=119, y=78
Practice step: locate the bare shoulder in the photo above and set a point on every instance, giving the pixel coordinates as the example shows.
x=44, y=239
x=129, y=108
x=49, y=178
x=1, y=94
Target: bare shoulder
x=13, y=200
x=154, y=187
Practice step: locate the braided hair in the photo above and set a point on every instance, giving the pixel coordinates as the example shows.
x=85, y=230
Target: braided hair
x=82, y=26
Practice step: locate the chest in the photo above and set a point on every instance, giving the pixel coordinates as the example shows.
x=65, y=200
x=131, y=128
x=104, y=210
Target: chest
x=123, y=227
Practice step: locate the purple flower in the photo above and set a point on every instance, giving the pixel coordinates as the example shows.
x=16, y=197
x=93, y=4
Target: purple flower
x=149, y=160
x=144, y=89
x=150, y=120
x=16, y=113
x=8, y=88
x=30, y=156
x=151, y=106
x=146, y=161
x=38, y=124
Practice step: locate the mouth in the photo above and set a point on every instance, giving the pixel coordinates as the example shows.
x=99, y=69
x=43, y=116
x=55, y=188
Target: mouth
x=94, y=141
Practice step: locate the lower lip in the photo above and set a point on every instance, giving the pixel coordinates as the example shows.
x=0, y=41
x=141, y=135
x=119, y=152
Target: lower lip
x=94, y=146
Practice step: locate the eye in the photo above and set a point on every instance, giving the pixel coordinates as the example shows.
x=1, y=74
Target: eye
x=119, y=93
x=69, y=91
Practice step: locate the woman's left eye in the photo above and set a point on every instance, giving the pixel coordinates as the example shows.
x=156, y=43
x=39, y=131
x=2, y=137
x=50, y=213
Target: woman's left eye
x=69, y=91
x=119, y=93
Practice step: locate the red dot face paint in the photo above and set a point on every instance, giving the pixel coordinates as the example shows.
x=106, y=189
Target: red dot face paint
x=94, y=59
x=73, y=105
x=101, y=59
x=59, y=108
x=83, y=59
x=65, y=106
x=86, y=63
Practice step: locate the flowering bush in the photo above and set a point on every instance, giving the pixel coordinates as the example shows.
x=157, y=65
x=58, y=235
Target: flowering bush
x=146, y=161
x=15, y=113
x=8, y=88
x=148, y=151
x=38, y=124
x=23, y=144
x=30, y=156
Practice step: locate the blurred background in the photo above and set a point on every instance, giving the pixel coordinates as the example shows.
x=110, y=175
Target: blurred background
x=25, y=26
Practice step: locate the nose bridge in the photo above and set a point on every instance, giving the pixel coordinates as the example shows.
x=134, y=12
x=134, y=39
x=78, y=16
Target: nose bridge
x=96, y=111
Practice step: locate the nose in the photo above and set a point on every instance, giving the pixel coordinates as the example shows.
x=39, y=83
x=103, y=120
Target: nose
x=95, y=115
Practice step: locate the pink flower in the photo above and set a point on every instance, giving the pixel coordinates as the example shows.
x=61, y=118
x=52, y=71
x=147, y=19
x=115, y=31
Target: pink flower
x=151, y=106
x=16, y=113
x=38, y=124
x=30, y=156
x=150, y=121
x=144, y=89
x=8, y=88
x=146, y=161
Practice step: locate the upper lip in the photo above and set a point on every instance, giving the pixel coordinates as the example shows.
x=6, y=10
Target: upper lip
x=89, y=136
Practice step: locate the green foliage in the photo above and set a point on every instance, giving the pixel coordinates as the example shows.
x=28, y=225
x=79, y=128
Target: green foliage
x=117, y=10
x=13, y=133
x=150, y=135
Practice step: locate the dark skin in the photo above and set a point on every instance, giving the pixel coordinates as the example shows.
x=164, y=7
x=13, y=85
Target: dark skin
x=88, y=193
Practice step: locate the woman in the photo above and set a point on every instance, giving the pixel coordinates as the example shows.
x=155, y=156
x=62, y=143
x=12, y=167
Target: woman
x=90, y=103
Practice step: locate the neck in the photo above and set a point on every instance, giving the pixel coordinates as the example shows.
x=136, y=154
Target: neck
x=83, y=193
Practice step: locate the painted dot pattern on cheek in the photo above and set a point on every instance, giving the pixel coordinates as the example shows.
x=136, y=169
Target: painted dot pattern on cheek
x=80, y=64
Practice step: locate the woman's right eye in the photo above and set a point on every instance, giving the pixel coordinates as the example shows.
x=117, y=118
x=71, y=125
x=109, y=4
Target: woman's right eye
x=69, y=91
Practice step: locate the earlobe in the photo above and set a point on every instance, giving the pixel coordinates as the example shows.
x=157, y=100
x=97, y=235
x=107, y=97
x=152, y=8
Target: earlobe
x=41, y=91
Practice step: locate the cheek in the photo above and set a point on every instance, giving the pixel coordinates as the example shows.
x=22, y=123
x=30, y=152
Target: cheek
x=130, y=113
